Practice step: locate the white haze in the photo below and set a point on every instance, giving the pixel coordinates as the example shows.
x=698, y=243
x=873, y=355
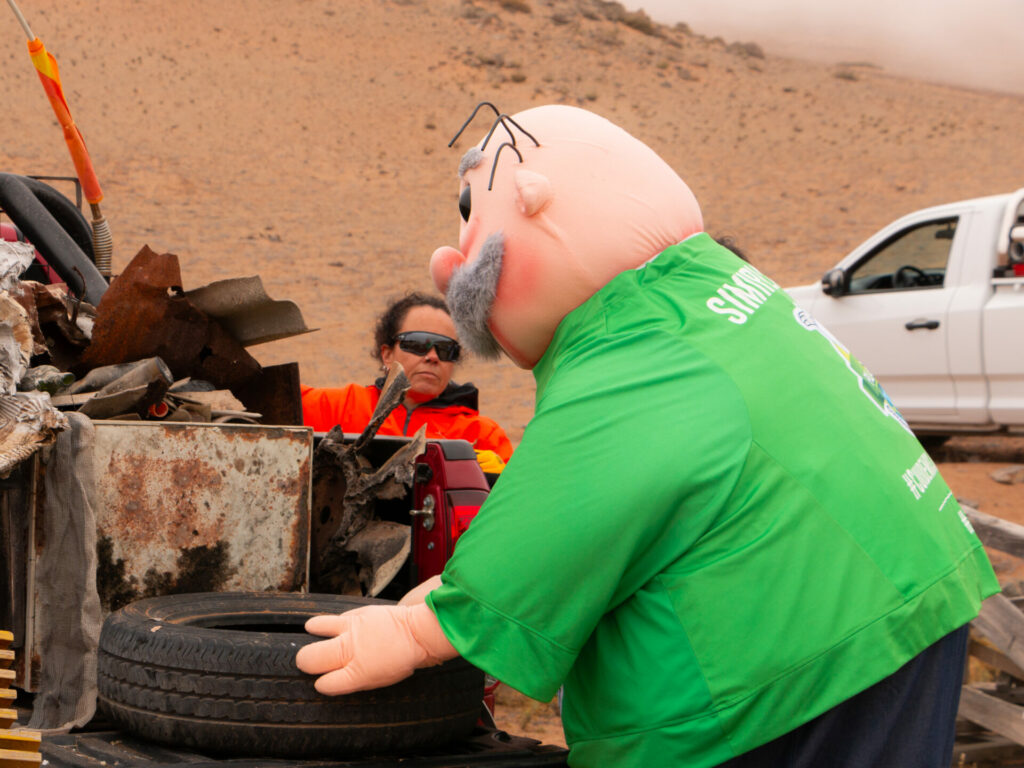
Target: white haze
x=973, y=43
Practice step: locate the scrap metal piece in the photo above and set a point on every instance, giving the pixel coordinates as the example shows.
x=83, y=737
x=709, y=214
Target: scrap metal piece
x=27, y=422
x=142, y=385
x=45, y=378
x=201, y=507
x=381, y=549
x=15, y=258
x=243, y=307
x=345, y=494
x=16, y=343
x=148, y=295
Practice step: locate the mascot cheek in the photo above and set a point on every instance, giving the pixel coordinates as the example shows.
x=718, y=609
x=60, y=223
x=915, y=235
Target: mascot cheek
x=443, y=262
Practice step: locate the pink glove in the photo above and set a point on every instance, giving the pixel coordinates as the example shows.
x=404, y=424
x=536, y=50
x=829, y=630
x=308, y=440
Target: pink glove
x=372, y=647
x=418, y=594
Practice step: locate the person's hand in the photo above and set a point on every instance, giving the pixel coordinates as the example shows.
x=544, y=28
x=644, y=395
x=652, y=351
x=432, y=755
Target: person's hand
x=489, y=461
x=418, y=594
x=372, y=647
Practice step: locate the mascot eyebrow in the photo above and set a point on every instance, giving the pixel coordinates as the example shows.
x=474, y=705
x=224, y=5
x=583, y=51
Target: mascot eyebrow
x=475, y=155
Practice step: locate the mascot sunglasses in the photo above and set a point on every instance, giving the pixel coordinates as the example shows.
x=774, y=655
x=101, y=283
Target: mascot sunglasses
x=421, y=342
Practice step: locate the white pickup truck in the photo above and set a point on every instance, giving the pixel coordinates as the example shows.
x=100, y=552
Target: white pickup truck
x=933, y=306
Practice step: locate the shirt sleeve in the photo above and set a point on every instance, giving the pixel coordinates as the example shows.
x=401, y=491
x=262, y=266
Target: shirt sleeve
x=325, y=407
x=630, y=452
x=493, y=438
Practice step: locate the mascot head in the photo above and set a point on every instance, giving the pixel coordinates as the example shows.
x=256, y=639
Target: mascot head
x=555, y=201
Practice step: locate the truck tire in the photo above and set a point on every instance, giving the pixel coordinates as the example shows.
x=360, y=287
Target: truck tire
x=216, y=672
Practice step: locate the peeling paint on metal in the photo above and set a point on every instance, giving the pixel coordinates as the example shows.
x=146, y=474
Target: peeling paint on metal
x=202, y=507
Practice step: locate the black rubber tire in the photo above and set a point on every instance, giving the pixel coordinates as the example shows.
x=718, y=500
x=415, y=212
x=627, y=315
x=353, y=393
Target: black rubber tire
x=203, y=671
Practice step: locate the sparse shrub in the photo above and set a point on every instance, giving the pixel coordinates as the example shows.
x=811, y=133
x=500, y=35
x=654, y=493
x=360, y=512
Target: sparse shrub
x=590, y=96
x=517, y=77
x=747, y=50
x=560, y=19
x=516, y=6
x=641, y=22
x=682, y=26
x=606, y=38
x=491, y=59
x=845, y=74
x=610, y=9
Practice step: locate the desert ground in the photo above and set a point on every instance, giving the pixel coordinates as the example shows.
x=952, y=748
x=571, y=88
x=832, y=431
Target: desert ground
x=305, y=142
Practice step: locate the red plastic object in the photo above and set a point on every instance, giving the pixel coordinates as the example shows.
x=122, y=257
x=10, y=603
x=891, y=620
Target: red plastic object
x=457, y=488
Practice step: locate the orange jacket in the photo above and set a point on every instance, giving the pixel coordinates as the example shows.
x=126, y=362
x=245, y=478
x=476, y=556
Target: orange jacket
x=453, y=415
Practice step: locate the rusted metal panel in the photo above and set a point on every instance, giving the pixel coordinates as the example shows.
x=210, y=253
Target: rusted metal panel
x=201, y=507
x=146, y=295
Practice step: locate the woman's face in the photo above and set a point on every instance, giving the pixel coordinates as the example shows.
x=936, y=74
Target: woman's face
x=428, y=376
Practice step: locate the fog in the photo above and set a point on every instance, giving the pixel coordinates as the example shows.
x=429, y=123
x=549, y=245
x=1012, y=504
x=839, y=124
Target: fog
x=973, y=43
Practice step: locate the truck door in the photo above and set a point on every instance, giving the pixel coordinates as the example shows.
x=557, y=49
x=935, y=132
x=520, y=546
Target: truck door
x=894, y=318
x=1002, y=319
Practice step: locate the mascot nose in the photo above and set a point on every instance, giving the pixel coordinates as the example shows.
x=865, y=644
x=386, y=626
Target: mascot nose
x=443, y=262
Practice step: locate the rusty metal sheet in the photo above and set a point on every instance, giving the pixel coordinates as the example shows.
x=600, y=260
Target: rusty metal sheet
x=143, y=314
x=201, y=507
x=243, y=307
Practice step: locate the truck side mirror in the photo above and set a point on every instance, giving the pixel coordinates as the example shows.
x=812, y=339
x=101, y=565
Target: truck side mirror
x=834, y=282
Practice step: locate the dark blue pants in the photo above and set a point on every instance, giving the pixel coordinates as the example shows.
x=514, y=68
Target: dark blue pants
x=907, y=720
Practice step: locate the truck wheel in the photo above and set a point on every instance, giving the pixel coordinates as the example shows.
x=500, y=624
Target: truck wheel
x=933, y=442
x=216, y=672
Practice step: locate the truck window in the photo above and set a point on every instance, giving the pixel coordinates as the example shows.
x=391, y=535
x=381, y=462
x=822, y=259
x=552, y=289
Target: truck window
x=910, y=260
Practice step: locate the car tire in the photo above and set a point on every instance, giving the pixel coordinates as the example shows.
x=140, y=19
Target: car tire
x=216, y=672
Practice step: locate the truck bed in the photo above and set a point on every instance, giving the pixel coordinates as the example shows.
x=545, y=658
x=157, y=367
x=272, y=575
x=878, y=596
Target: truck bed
x=103, y=748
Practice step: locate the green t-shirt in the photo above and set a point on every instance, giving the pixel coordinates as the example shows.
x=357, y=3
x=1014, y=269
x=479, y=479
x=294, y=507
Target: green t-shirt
x=715, y=528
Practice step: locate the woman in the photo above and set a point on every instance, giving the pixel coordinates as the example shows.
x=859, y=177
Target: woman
x=417, y=332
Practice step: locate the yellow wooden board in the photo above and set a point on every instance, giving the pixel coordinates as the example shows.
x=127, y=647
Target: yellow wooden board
x=7, y=716
x=6, y=638
x=15, y=758
x=24, y=740
x=6, y=658
x=7, y=696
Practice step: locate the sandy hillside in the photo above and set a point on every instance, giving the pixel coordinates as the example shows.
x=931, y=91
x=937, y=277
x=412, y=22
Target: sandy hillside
x=305, y=142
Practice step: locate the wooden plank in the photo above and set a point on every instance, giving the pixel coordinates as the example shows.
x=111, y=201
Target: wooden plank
x=995, y=714
x=995, y=658
x=1002, y=623
x=16, y=758
x=27, y=741
x=997, y=533
x=987, y=750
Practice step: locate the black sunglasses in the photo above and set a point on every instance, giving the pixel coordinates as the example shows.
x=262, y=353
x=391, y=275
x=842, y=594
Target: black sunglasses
x=421, y=342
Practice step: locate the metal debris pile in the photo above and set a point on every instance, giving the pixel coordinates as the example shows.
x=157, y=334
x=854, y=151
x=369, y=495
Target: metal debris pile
x=148, y=350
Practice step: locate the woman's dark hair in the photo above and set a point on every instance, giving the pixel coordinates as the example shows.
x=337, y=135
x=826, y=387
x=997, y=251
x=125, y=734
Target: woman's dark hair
x=391, y=319
x=729, y=242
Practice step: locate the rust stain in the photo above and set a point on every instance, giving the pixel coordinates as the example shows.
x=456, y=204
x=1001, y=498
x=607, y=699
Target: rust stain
x=199, y=569
x=115, y=589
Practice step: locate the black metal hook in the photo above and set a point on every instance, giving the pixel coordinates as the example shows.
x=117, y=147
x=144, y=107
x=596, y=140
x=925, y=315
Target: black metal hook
x=470, y=120
x=494, y=166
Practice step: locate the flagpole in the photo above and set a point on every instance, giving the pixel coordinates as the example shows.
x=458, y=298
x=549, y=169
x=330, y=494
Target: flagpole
x=21, y=19
x=102, y=242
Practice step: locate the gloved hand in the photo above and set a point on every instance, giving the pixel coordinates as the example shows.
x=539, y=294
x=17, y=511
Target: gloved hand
x=489, y=461
x=372, y=647
x=418, y=594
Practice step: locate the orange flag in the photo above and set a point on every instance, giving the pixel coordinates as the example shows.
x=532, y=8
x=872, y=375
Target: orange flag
x=49, y=76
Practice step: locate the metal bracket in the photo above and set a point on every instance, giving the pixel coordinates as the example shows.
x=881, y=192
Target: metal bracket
x=427, y=513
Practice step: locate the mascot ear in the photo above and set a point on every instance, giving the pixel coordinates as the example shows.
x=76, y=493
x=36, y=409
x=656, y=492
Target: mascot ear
x=533, y=192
